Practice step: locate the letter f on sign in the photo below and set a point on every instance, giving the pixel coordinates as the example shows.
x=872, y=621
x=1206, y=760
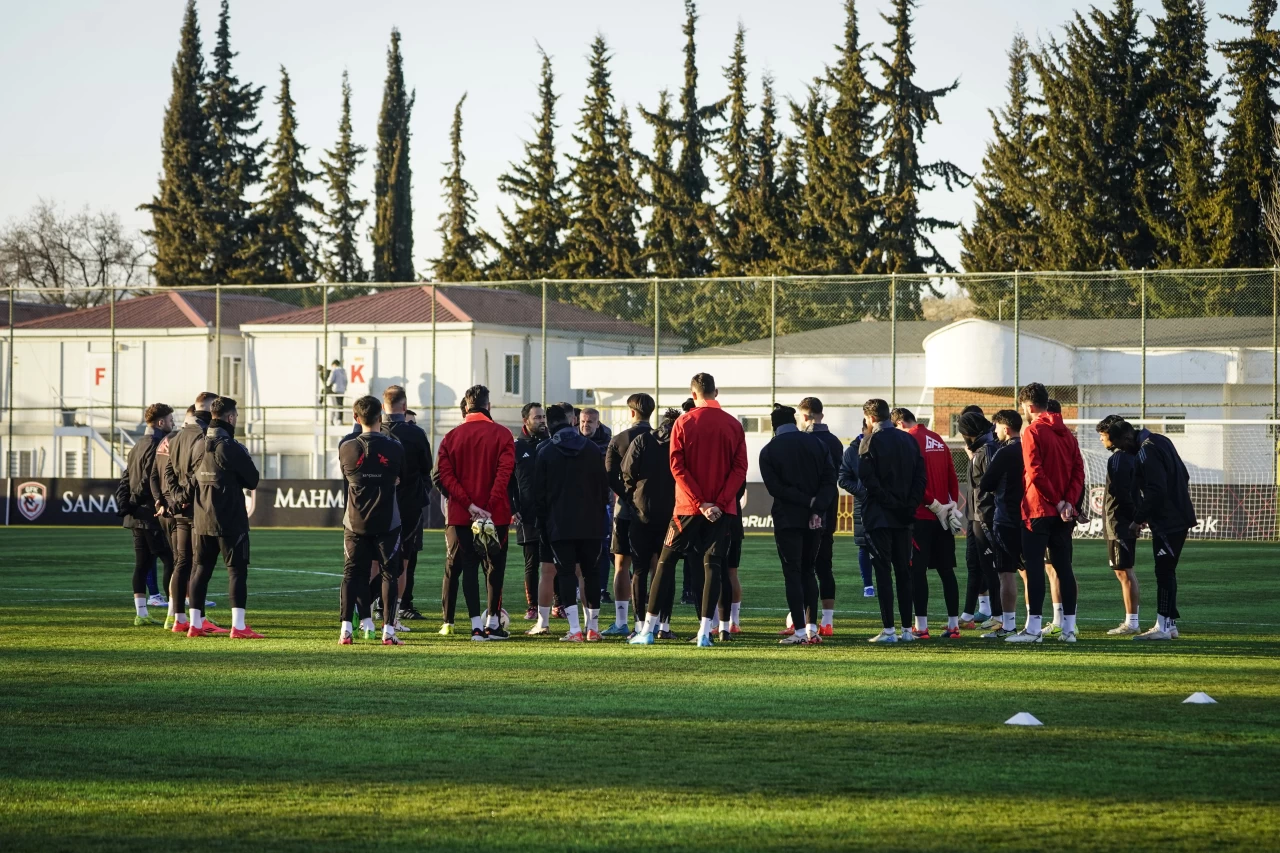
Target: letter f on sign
x=99, y=373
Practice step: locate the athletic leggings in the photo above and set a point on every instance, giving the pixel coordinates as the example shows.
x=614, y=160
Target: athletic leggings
x=410, y=569
x=823, y=564
x=980, y=561
x=891, y=556
x=663, y=598
x=864, y=565
x=532, y=572
x=798, y=550
x=148, y=546
x=1167, y=548
x=235, y=556
x=181, y=580
x=462, y=563
x=1053, y=533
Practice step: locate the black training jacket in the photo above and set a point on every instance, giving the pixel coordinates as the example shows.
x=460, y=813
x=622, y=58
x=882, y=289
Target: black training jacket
x=223, y=470
x=646, y=476
x=981, y=505
x=613, y=456
x=891, y=477
x=1120, y=500
x=797, y=470
x=1003, y=478
x=835, y=447
x=135, y=500
x=415, y=481
x=371, y=464
x=847, y=479
x=179, y=471
x=1165, y=485
x=570, y=487
x=520, y=487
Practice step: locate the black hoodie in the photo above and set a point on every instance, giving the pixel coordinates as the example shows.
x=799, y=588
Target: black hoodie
x=520, y=486
x=135, y=499
x=223, y=469
x=798, y=472
x=646, y=476
x=1165, y=485
x=178, y=476
x=613, y=456
x=570, y=487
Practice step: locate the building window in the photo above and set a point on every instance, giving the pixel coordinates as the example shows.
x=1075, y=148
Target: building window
x=753, y=423
x=1174, y=429
x=511, y=374
x=955, y=425
x=75, y=463
x=21, y=462
x=232, y=377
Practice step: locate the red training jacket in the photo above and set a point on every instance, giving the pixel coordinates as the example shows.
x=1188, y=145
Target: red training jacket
x=475, y=463
x=1052, y=468
x=941, y=483
x=708, y=459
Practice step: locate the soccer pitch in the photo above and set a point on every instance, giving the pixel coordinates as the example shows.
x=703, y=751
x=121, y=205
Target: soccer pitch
x=126, y=738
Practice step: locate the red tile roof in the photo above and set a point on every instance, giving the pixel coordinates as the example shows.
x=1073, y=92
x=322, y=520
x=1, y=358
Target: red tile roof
x=165, y=310
x=458, y=303
x=24, y=311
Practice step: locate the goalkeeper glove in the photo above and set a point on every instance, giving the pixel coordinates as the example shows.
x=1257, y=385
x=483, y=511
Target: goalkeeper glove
x=941, y=511
x=955, y=519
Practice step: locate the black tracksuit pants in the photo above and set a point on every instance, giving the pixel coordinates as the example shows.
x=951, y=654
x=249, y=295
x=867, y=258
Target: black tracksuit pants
x=181, y=580
x=1053, y=534
x=798, y=549
x=824, y=564
x=235, y=556
x=891, y=557
x=462, y=565
x=149, y=545
x=980, y=562
x=359, y=551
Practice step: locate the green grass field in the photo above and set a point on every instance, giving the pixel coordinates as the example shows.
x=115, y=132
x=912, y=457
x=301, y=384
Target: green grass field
x=124, y=738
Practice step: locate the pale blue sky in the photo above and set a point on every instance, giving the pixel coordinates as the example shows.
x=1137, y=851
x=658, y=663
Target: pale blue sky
x=85, y=83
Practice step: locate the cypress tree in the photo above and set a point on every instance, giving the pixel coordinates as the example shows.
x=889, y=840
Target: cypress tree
x=790, y=203
x=392, y=233
x=766, y=212
x=1179, y=181
x=178, y=203
x=235, y=163
x=736, y=241
x=460, y=247
x=601, y=240
x=1006, y=225
x=532, y=246
x=342, y=261
x=1248, y=148
x=283, y=251
x=666, y=202
x=904, y=243
x=809, y=250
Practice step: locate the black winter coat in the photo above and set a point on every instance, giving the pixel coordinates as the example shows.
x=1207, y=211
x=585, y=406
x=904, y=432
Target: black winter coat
x=1165, y=485
x=797, y=470
x=570, y=487
x=646, y=476
x=223, y=470
x=179, y=471
x=891, y=477
x=135, y=500
x=613, y=456
x=520, y=487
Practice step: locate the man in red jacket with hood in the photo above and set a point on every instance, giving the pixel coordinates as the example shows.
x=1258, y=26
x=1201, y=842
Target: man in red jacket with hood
x=709, y=464
x=1053, y=479
x=474, y=467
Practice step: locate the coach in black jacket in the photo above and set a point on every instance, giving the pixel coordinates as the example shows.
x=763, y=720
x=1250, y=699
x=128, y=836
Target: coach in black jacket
x=179, y=478
x=650, y=491
x=641, y=406
x=539, y=565
x=220, y=522
x=411, y=495
x=891, y=481
x=136, y=504
x=798, y=472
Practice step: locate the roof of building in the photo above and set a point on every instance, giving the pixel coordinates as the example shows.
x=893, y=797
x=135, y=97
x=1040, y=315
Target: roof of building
x=169, y=309
x=24, y=311
x=864, y=338
x=457, y=304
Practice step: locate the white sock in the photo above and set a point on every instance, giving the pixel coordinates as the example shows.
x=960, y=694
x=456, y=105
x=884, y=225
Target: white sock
x=1162, y=623
x=828, y=616
x=237, y=618
x=651, y=623
x=889, y=631
x=388, y=630
x=664, y=626
x=1033, y=624
x=1009, y=621
x=715, y=623
x=544, y=617
x=704, y=627
x=964, y=617
x=366, y=624
x=953, y=622
x=476, y=623
x=734, y=611
x=140, y=606
x=1068, y=624
x=197, y=618
x=593, y=618
x=344, y=630
x=173, y=609
x=621, y=610
x=493, y=621
x=571, y=613
x=1057, y=615
x=1131, y=619
x=984, y=604
x=180, y=617
x=812, y=630
x=922, y=624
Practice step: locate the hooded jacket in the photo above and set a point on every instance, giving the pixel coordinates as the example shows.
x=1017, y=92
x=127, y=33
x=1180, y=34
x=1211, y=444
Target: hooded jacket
x=1165, y=485
x=797, y=470
x=1120, y=499
x=520, y=489
x=475, y=464
x=613, y=456
x=891, y=478
x=847, y=479
x=570, y=487
x=135, y=500
x=646, y=476
x=708, y=459
x=1002, y=478
x=178, y=475
x=223, y=470
x=835, y=448
x=415, y=480
x=980, y=505
x=371, y=464
x=1052, y=468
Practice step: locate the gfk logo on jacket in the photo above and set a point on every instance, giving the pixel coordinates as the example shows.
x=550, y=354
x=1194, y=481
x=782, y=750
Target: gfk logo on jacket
x=931, y=443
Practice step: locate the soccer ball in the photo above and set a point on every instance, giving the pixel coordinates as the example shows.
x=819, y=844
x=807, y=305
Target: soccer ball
x=504, y=618
x=483, y=527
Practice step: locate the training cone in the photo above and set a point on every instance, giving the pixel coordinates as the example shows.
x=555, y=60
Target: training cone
x=1022, y=719
x=1199, y=698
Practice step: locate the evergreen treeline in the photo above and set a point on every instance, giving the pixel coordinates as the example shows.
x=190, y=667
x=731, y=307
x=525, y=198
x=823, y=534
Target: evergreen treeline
x=1105, y=156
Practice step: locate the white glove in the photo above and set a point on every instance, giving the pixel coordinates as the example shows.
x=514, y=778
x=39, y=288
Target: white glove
x=941, y=511
x=955, y=519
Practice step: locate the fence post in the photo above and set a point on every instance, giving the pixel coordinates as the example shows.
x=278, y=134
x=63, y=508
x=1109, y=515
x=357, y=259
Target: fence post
x=1275, y=346
x=657, y=358
x=773, y=340
x=8, y=388
x=1017, y=335
x=115, y=363
x=1142, y=392
x=893, y=339
x=217, y=333
x=324, y=396
x=543, y=395
x=263, y=471
x=433, y=365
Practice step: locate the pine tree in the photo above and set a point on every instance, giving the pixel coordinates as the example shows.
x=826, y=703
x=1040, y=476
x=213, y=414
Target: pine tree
x=178, y=204
x=1097, y=140
x=1248, y=152
x=461, y=248
x=235, y=163
x=1179, y=179
x=737, y=244
x=342, y=260
x=904, y=243
x=1006, y=226
x=809, y=250
x=600, y=242
x=790, y=203
x=283, y=250
x=532, y=246
x=392, y=232
x=766, y=208
x=666, y=201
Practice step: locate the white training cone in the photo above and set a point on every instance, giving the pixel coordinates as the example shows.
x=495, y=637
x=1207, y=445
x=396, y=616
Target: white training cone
x=1022, y=718
x=1199, y=698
